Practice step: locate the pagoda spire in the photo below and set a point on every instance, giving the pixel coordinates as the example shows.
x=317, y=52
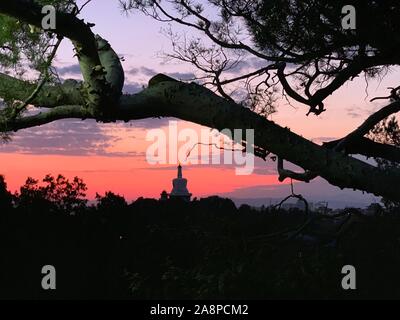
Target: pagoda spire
x=179, y=171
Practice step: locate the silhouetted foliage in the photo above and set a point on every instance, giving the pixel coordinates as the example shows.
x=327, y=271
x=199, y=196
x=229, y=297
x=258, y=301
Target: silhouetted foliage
x=5, y=196
x=205, y=249
x=59, y=191
x=387, y=131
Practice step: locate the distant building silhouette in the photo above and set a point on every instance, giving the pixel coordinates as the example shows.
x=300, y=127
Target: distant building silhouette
x=179, y=189
x=163, y=196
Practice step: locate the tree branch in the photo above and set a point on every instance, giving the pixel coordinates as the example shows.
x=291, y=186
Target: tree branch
x=194, y=103
x=18, y=109
x=57, y=113
x=197, y=104
x=368, y=148
x=98, y=93
x=368, y=125
x=306, y=176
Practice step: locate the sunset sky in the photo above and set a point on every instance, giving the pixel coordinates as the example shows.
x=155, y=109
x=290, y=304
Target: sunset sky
x=112, y=156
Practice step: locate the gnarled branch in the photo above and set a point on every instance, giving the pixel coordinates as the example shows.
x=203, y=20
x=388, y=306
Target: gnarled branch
x=192, y=102
x=368, y=125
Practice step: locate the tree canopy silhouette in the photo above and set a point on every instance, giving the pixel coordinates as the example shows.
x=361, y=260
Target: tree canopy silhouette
x=203, y=249
x=300, y=46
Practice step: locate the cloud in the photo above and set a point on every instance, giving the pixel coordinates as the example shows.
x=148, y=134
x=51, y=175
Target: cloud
x=73, y=137
x=258, y=63
x=320, y=140
x=65, y=137
x=248, y=65
x=149, y=72
x=357, y=111
x=132, y=88
x=73, y=69
x=184, y=76
x=150, y=123
x=353, y=115
x=316, y=190
x=133, y=71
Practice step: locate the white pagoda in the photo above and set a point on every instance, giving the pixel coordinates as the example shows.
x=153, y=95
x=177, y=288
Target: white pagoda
x=179, y=189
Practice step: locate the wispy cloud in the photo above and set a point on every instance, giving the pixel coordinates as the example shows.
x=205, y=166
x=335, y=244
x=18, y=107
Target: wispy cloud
x=73, y=69
x=132, y=88
x=66, y=137
x=149, y=72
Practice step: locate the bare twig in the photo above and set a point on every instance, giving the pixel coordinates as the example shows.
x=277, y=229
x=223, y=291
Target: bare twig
x=368, y=125
x=18, y=109
x=214, y=145
x=394, y=95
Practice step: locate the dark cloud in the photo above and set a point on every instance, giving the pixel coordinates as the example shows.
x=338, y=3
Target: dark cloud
x=357, y=112
x=258, y=63
x=133, y=71
x=149, y=72
x=240, y=67
x=184, y=76
x=65, y=137
x=248, y=65
x=75, y=138
x=73, y=69
x=150, y=123
x=132, y=88
x=353, y=114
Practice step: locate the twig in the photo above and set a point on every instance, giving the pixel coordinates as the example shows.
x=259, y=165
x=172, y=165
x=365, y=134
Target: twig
x=23, y=105
x=393, y=95
x=212, y=144
x=292, y=232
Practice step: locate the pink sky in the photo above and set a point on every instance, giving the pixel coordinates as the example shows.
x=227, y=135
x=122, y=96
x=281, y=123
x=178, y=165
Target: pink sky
x=119, y=169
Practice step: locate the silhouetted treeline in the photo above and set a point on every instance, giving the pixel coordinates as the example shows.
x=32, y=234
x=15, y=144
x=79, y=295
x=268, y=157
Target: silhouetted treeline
x=204, y=249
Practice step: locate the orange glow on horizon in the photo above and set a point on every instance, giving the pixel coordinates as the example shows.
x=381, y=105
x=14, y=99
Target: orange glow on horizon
x=131, y=177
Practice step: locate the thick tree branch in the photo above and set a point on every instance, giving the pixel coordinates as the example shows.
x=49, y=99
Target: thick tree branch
x=305, y=176
x=194, y=103
x=340, y=77
x=368, y=124
x=98, y=92
x=191, y=102
x=368, y=148
x=57, y=113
